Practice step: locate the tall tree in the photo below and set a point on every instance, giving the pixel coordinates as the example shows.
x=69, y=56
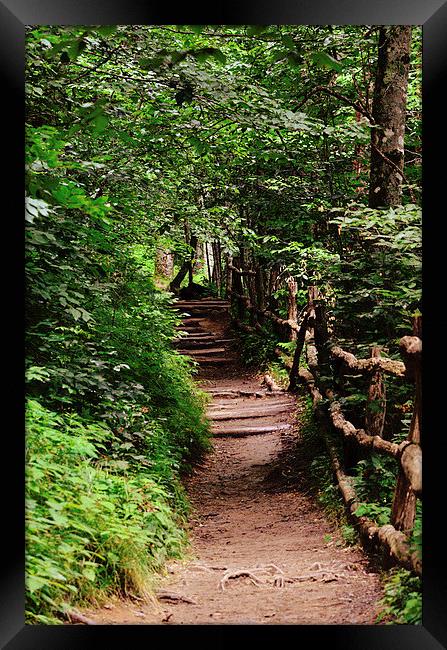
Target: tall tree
x=389, y=111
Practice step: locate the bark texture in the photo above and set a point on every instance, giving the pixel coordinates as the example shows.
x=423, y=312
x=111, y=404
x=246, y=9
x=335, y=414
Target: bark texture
x=388, y=111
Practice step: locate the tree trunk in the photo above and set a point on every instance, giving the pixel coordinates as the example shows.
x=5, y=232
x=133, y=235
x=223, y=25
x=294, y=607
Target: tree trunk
x=185, y=269
x=229, y=275
x=376, y=403
x=389, y=111
x=164, y=263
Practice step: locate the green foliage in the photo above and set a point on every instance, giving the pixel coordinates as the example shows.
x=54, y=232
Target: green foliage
x=402, y=600
x=92, y=524
x=256, y=352
x=384, y=248
x=322, y=477
x=379, y=514
x=375, y=479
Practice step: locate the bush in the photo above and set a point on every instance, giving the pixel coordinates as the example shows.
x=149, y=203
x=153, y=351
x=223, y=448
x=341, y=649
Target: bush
x=92, y=525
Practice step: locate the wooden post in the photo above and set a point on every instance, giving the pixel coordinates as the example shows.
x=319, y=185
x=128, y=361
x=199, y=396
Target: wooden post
x=208, y=264
x=376, y=403
x=404, y=503
x=311, y=350
x=321, y=335
x=293, y=375
x=292, y=308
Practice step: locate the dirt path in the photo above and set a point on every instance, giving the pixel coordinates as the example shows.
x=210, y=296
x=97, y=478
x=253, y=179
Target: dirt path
x=262, y=550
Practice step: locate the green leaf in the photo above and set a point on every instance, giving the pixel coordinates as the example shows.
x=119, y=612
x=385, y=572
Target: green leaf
x=100, y=123
x=288, y=41
x=324, y=60
x=89, y=573
x=255, y=30
x=205, y=53
x=106, y=30
x=151, y=63
x=34, y=583
x=197, y=29
x=76, y=313
x=295, y=59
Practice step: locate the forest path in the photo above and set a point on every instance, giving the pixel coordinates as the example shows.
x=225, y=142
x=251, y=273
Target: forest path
x=262, y=551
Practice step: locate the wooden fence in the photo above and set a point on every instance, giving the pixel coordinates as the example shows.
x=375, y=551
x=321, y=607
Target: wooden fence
x=326, y=364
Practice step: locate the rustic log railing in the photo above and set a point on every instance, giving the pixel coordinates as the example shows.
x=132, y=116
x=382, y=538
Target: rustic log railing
x=322, y=356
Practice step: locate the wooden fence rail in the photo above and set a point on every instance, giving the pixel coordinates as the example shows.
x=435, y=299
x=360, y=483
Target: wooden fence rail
x=326, y=359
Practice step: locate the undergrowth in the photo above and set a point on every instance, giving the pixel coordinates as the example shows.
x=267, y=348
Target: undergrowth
x=92, y=526
x=321, y=476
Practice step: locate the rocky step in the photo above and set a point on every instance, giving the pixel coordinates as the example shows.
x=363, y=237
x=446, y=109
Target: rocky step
x=203, y=352
x=186, y=342
x=193, y=330
x=248, y=431
x=190, y=320
x=217, y=392
x=201, y=303
x=213, y=360
x=204, y=313
x=202, y=335
x=200, y=311
x=246, y=404
x=244, y=415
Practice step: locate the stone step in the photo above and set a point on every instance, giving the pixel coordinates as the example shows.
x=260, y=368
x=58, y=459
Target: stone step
x=218, y=392
x=248, y=414
x=203, y=352
x=188, y=343
x=249, y=431
x=213, y=360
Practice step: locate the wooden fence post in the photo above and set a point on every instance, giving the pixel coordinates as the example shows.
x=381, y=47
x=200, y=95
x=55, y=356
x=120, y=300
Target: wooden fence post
x=292, y=313
x=293, y=375
x=321, y=336
x=311, y=350
x=376, y=402
x=404, y=503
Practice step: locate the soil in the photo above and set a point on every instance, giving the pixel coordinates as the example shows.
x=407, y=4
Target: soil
x=262, y=550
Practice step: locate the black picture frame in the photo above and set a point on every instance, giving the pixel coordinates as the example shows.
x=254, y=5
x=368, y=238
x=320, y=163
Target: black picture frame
x=432, y=15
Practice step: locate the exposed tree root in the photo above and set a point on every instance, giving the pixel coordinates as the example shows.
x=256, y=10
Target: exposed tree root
x=170, y=595
x=278, y=576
